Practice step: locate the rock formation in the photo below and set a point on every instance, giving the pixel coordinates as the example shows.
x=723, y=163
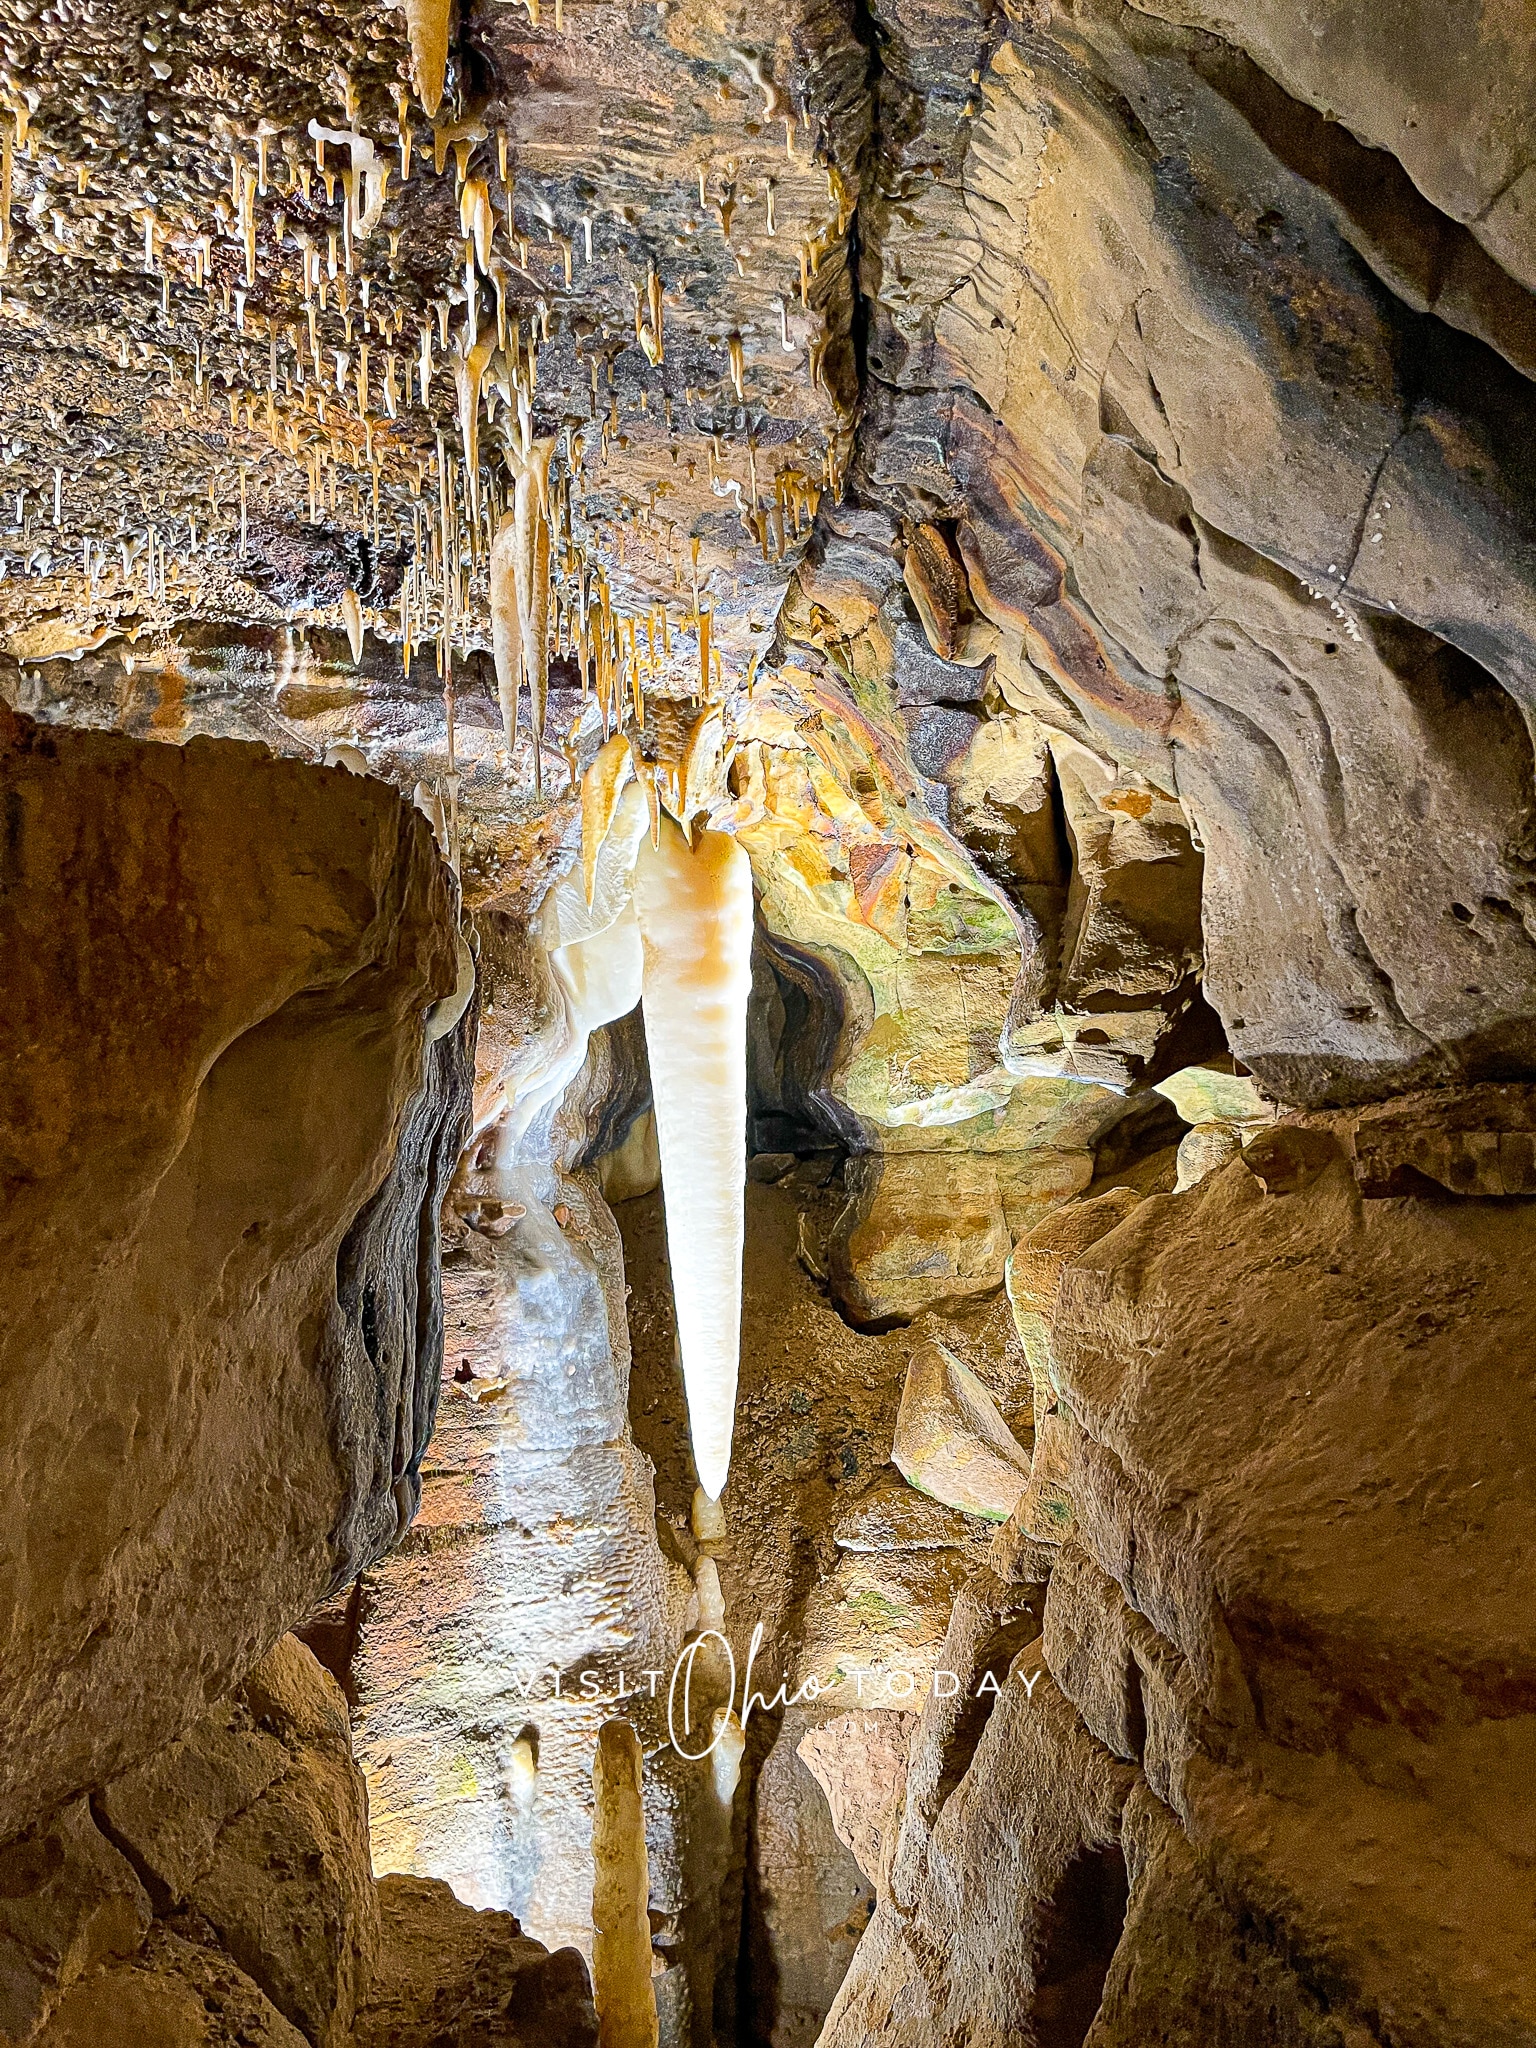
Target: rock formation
x=769, y=1091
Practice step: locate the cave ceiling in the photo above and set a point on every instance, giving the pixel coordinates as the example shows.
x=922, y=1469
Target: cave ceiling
x=1057, y=482
x=235, y=367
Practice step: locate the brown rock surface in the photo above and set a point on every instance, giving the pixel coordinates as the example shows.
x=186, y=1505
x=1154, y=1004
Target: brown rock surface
x=952, y=1443
x=809, y=1898
x=1199, y=527
x=174, y=1993
x=860, y=1763
x=69, y=1902
x=1111, y=431
x=1269, y=1781
x=892, y=1516
x=257, y=1820
x=216, y=1118
x=932, y=1230
x=451, y=1977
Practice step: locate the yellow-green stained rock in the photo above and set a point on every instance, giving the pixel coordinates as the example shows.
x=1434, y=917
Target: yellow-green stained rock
x=952, y=1443
x=1205, y=1095
x=927, y=1230
x=874, y=1630
x=1204, y=1150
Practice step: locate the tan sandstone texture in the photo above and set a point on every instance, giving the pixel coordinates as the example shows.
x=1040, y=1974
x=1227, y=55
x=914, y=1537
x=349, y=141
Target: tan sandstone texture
x=1263, y=1775
x=219, y=1895
x=224, y=1145
x=1058, y=483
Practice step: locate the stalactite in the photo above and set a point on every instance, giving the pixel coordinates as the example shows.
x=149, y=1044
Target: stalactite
x=426, y=23
x=352, y=618
x=538, y=639
x=695, y=912
x=525, y=513
x=469, y=365
x=507, y=629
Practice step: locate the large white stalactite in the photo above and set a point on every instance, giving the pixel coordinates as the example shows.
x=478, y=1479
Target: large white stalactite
x=694, y=904
x=669, y=923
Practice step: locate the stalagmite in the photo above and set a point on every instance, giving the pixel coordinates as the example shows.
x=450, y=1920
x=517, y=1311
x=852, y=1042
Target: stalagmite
x=621, y=1942
x=522, y=1775
x=730, y=1747
x=695, y=913
x=426, y=24
x=706, y=1581
x=708, y=1519
x=507, y=628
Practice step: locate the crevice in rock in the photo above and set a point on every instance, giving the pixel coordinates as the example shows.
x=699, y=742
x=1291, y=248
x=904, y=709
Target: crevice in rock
x=1082, y=1924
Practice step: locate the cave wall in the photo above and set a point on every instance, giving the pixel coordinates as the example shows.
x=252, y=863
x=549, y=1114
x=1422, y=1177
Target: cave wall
x=1259, y=1776
x=1173, y=384
x=1158, y=689
x=226, y=1141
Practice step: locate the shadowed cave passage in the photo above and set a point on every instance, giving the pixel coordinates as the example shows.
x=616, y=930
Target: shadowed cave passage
x=1082, y=1922
x=768, y=1074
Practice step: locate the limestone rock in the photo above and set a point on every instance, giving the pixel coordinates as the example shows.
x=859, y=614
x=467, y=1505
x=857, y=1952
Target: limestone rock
x=934, y=1229
x=872, y=1630
x=1212, y=1095
x=69, y=1902
x=1199, y=573
x=811, y=1900
x=1204, y=1150
x=1289, y=1157
x=222, y=1167
x=174, y=1993
x=860, y=1763
x=257, y=1819
x=1009, y=1827
x=535, y=1559
x=1476, y=1141
x=952, y=1443
x=1015, y=1878
x=1043, y=1514
x=1039, y=1260
x=1463, y=140
x=451, y=1977
x=1246, y=1608
x=891, y=1517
